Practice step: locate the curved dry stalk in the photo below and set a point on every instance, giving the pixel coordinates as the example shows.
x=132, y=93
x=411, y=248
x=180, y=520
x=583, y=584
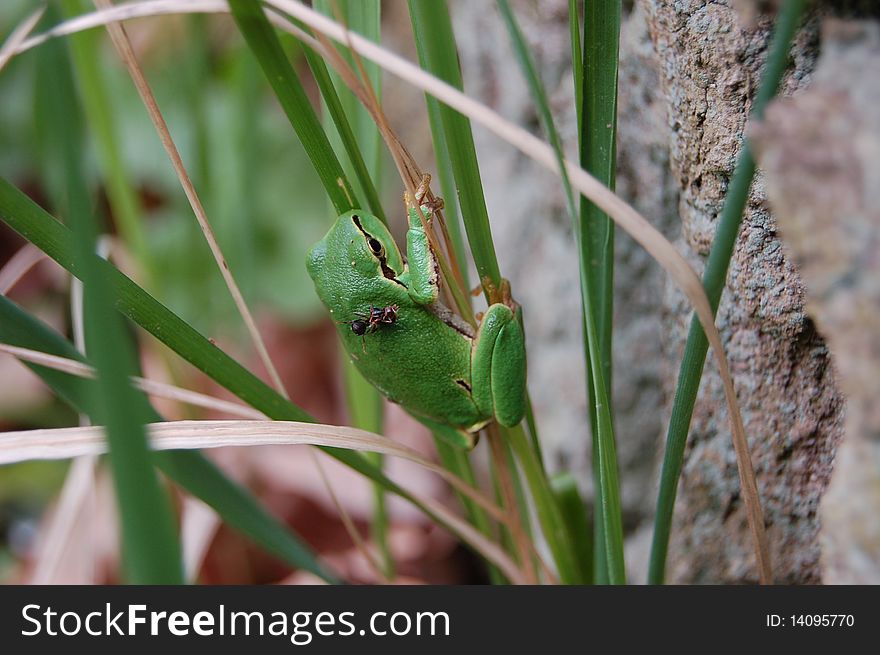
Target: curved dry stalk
x=347, y=522
x=151, y=387
x=621, y=212
x=18, y=36
x=18, y=265
x=66, y=443
x=123, y=46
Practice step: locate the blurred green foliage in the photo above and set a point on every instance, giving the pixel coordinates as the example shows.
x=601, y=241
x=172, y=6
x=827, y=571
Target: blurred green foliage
x=260, y=192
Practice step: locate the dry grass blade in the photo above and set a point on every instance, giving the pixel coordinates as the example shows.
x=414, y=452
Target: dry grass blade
x=65, y=443
x=70, y=510
x=151, y=387
x=126, y=52
x=123, y=13
x=18, y=36
x=18, y=265
x=348, y=523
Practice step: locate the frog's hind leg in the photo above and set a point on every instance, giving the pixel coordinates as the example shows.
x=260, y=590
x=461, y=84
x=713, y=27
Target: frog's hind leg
x=498, y=366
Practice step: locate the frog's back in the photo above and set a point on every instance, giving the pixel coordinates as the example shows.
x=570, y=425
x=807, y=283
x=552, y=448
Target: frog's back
x=421, y=363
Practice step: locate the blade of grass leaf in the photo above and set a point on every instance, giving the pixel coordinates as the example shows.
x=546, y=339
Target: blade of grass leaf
x=577, y=64
x=575, y=514
x=714, y=279
x=597, y=127
x=344, y=130
x=149, y=387
x=150, y=545
x=264, y=44
x=598, y=156
x=362, y=142
x=435, y=43
x=101, y=119
x=608, y=491
x=18, y=36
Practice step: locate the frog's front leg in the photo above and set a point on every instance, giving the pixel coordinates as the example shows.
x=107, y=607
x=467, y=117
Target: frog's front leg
x=498, y=366
x=423, y=282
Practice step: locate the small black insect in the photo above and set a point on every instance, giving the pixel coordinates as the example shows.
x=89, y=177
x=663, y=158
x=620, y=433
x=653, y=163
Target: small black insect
x=372, y=320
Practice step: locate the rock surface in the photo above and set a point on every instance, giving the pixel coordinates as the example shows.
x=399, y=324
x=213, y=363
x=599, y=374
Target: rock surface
x=821, y=151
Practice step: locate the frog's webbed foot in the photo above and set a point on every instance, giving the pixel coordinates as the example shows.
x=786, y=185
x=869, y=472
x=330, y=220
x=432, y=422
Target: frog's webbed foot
x=498, y=366
x=427, y=201
x=500, y=294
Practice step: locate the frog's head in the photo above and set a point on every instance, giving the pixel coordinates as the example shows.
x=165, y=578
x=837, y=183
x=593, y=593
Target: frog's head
x=357, y=246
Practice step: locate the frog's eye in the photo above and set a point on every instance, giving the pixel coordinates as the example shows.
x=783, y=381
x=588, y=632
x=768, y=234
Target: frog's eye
x=376, y=247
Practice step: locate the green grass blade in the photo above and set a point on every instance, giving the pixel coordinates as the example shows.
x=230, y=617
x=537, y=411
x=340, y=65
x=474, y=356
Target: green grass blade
x=263, y=42
x=345, y=132
x=574, y=514
x=608, y=491
x=598, y=154
x=363, y=17
x=99, y=113
x=447, y=187
x=714, y=279
x=191, y=470
x=435, y=43
x=597, y=126
x=577, y=64
x=149, y=534
x=548, y=512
